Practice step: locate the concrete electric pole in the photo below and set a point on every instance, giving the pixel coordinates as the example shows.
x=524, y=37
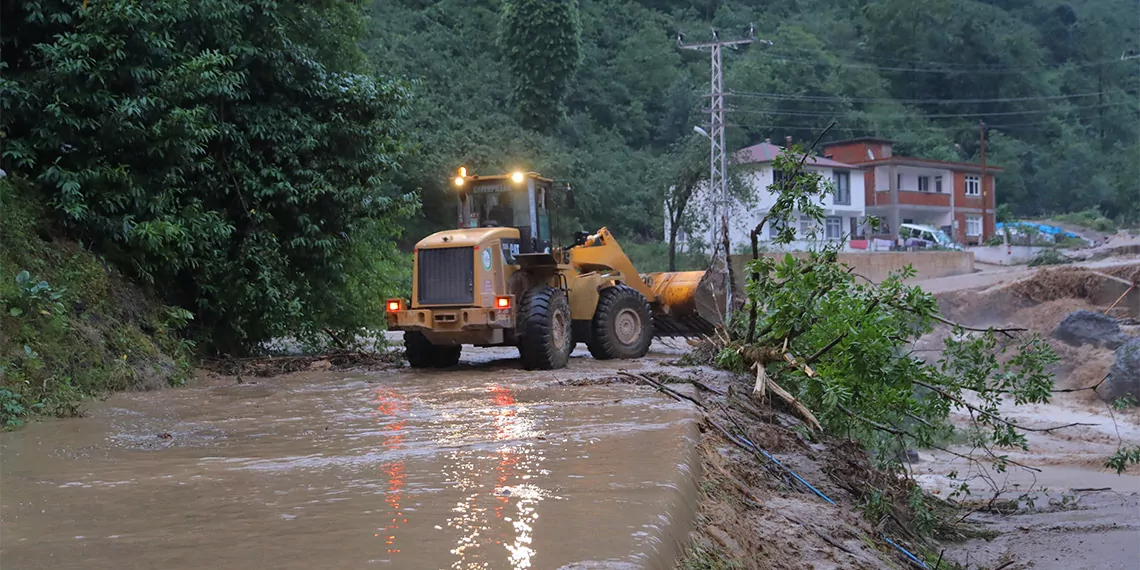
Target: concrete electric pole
x=718, y=156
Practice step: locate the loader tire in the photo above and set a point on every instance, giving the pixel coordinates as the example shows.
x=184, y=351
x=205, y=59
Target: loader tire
x=421, y=353
x=622, y=325
x=545, y=342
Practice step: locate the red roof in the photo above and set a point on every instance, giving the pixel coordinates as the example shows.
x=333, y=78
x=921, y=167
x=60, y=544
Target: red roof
x=767, y=152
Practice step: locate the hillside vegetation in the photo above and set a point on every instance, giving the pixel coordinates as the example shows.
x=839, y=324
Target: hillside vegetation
x=70, y=325
x=1060, y=105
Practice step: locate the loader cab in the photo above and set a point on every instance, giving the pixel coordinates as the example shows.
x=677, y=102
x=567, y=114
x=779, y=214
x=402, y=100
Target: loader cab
x=517, y=200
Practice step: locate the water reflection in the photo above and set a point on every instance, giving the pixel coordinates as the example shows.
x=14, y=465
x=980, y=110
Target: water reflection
x=513, y=463
x=388, y=407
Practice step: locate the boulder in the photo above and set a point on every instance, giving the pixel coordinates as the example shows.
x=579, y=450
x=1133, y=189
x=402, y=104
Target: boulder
x=1124, y=377
x=1088, y=327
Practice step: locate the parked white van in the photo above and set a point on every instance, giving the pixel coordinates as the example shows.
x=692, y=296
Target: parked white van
x=918, y=235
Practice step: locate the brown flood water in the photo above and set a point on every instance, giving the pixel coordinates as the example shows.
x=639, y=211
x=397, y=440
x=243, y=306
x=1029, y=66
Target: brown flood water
x=486, y=466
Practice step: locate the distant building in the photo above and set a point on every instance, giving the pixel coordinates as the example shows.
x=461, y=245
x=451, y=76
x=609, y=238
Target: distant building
x=843, y=208
x=953, y=196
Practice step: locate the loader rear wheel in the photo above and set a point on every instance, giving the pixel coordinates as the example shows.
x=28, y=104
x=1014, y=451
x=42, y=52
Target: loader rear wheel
x=421, y=353
x=545, y=342
x=622, y=325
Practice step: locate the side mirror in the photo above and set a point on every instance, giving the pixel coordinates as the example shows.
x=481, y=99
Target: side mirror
x=570, y=198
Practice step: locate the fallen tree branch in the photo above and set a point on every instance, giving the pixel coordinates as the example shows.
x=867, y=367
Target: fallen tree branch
x=759, y=390
x=820, y=534
x=1005, y=331
x=999, y=419
x=787, y=397
x=905, y=434
x=662, y=387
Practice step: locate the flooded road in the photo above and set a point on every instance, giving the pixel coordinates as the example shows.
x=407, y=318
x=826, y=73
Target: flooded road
x=486, y=466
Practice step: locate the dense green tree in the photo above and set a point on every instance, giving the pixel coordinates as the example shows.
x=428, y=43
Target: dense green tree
x=541, y=41
x=232, y=155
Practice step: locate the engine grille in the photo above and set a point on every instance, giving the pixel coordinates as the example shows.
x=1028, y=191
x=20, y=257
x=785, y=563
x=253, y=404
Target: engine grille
x=446, y=276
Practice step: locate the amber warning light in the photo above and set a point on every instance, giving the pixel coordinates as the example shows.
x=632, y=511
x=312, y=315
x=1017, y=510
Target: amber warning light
x=394, y=305
x=502, y=302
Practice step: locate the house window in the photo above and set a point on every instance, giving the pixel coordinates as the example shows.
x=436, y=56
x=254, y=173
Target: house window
x=938, y=184
x=807, y=225
x=778, y=179
x=898, y=182
x=773, y=229
x=842, y=187
x=924, y=184
x=833, y=227
x=973, y=225
x=973, y=186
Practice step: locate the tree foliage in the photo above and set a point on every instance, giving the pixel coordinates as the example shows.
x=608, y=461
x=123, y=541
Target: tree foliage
x=541, y=41
x=231, y=155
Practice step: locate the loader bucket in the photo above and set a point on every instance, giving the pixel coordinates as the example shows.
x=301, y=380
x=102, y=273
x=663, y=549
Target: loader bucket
x=686, y=303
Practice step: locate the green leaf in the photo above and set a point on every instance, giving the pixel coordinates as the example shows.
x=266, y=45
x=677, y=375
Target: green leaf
x=15, y=311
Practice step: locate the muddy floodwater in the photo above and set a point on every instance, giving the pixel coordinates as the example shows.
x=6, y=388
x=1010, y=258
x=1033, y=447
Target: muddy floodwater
x=486, y=466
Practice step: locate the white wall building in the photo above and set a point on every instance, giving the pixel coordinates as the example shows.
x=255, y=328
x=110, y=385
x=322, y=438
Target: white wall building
x=844, y=208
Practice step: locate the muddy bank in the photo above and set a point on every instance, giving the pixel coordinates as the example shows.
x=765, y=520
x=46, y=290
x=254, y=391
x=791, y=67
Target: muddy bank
x=483, y=466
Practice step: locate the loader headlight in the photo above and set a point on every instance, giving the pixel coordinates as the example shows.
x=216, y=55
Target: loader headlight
x=517, y=177
x=459, y=181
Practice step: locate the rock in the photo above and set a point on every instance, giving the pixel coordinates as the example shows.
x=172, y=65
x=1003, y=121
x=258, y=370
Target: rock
x=908, y=456
x=1124, y=376
x=321, y=365
x=1087, y=327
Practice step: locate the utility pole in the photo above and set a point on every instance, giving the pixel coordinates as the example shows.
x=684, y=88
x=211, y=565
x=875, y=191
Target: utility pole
x=718, y=156
x=982, y=182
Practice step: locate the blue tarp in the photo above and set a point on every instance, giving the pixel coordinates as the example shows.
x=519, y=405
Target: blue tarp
x=1043, y=228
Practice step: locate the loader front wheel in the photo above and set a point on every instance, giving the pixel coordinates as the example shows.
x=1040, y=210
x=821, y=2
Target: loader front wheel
x=421, y=353
x=622, y=325
x=545, y=341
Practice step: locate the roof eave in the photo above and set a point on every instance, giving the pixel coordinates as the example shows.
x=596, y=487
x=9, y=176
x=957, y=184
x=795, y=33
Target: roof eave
x=910, y=161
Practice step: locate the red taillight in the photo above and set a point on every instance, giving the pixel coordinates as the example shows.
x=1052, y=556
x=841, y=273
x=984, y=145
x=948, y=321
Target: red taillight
x=394, y=305
x=502, y=302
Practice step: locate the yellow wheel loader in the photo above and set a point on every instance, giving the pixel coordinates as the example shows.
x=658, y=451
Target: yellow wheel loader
x=497, y=281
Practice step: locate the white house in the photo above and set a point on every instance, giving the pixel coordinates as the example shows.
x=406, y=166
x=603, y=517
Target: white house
x=844, y=208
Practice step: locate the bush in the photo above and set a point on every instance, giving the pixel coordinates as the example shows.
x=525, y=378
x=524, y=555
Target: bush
x=1091, y=219
x=70, y=327
x=1049, y=256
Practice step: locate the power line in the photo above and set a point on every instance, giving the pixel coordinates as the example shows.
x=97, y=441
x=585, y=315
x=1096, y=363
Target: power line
x=841, y=99
x=926, y=116
x=912, y=128
x=791, y=50
x=916, y=69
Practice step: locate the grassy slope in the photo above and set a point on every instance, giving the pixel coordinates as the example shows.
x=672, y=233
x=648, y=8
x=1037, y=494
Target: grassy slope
x=70, y=326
